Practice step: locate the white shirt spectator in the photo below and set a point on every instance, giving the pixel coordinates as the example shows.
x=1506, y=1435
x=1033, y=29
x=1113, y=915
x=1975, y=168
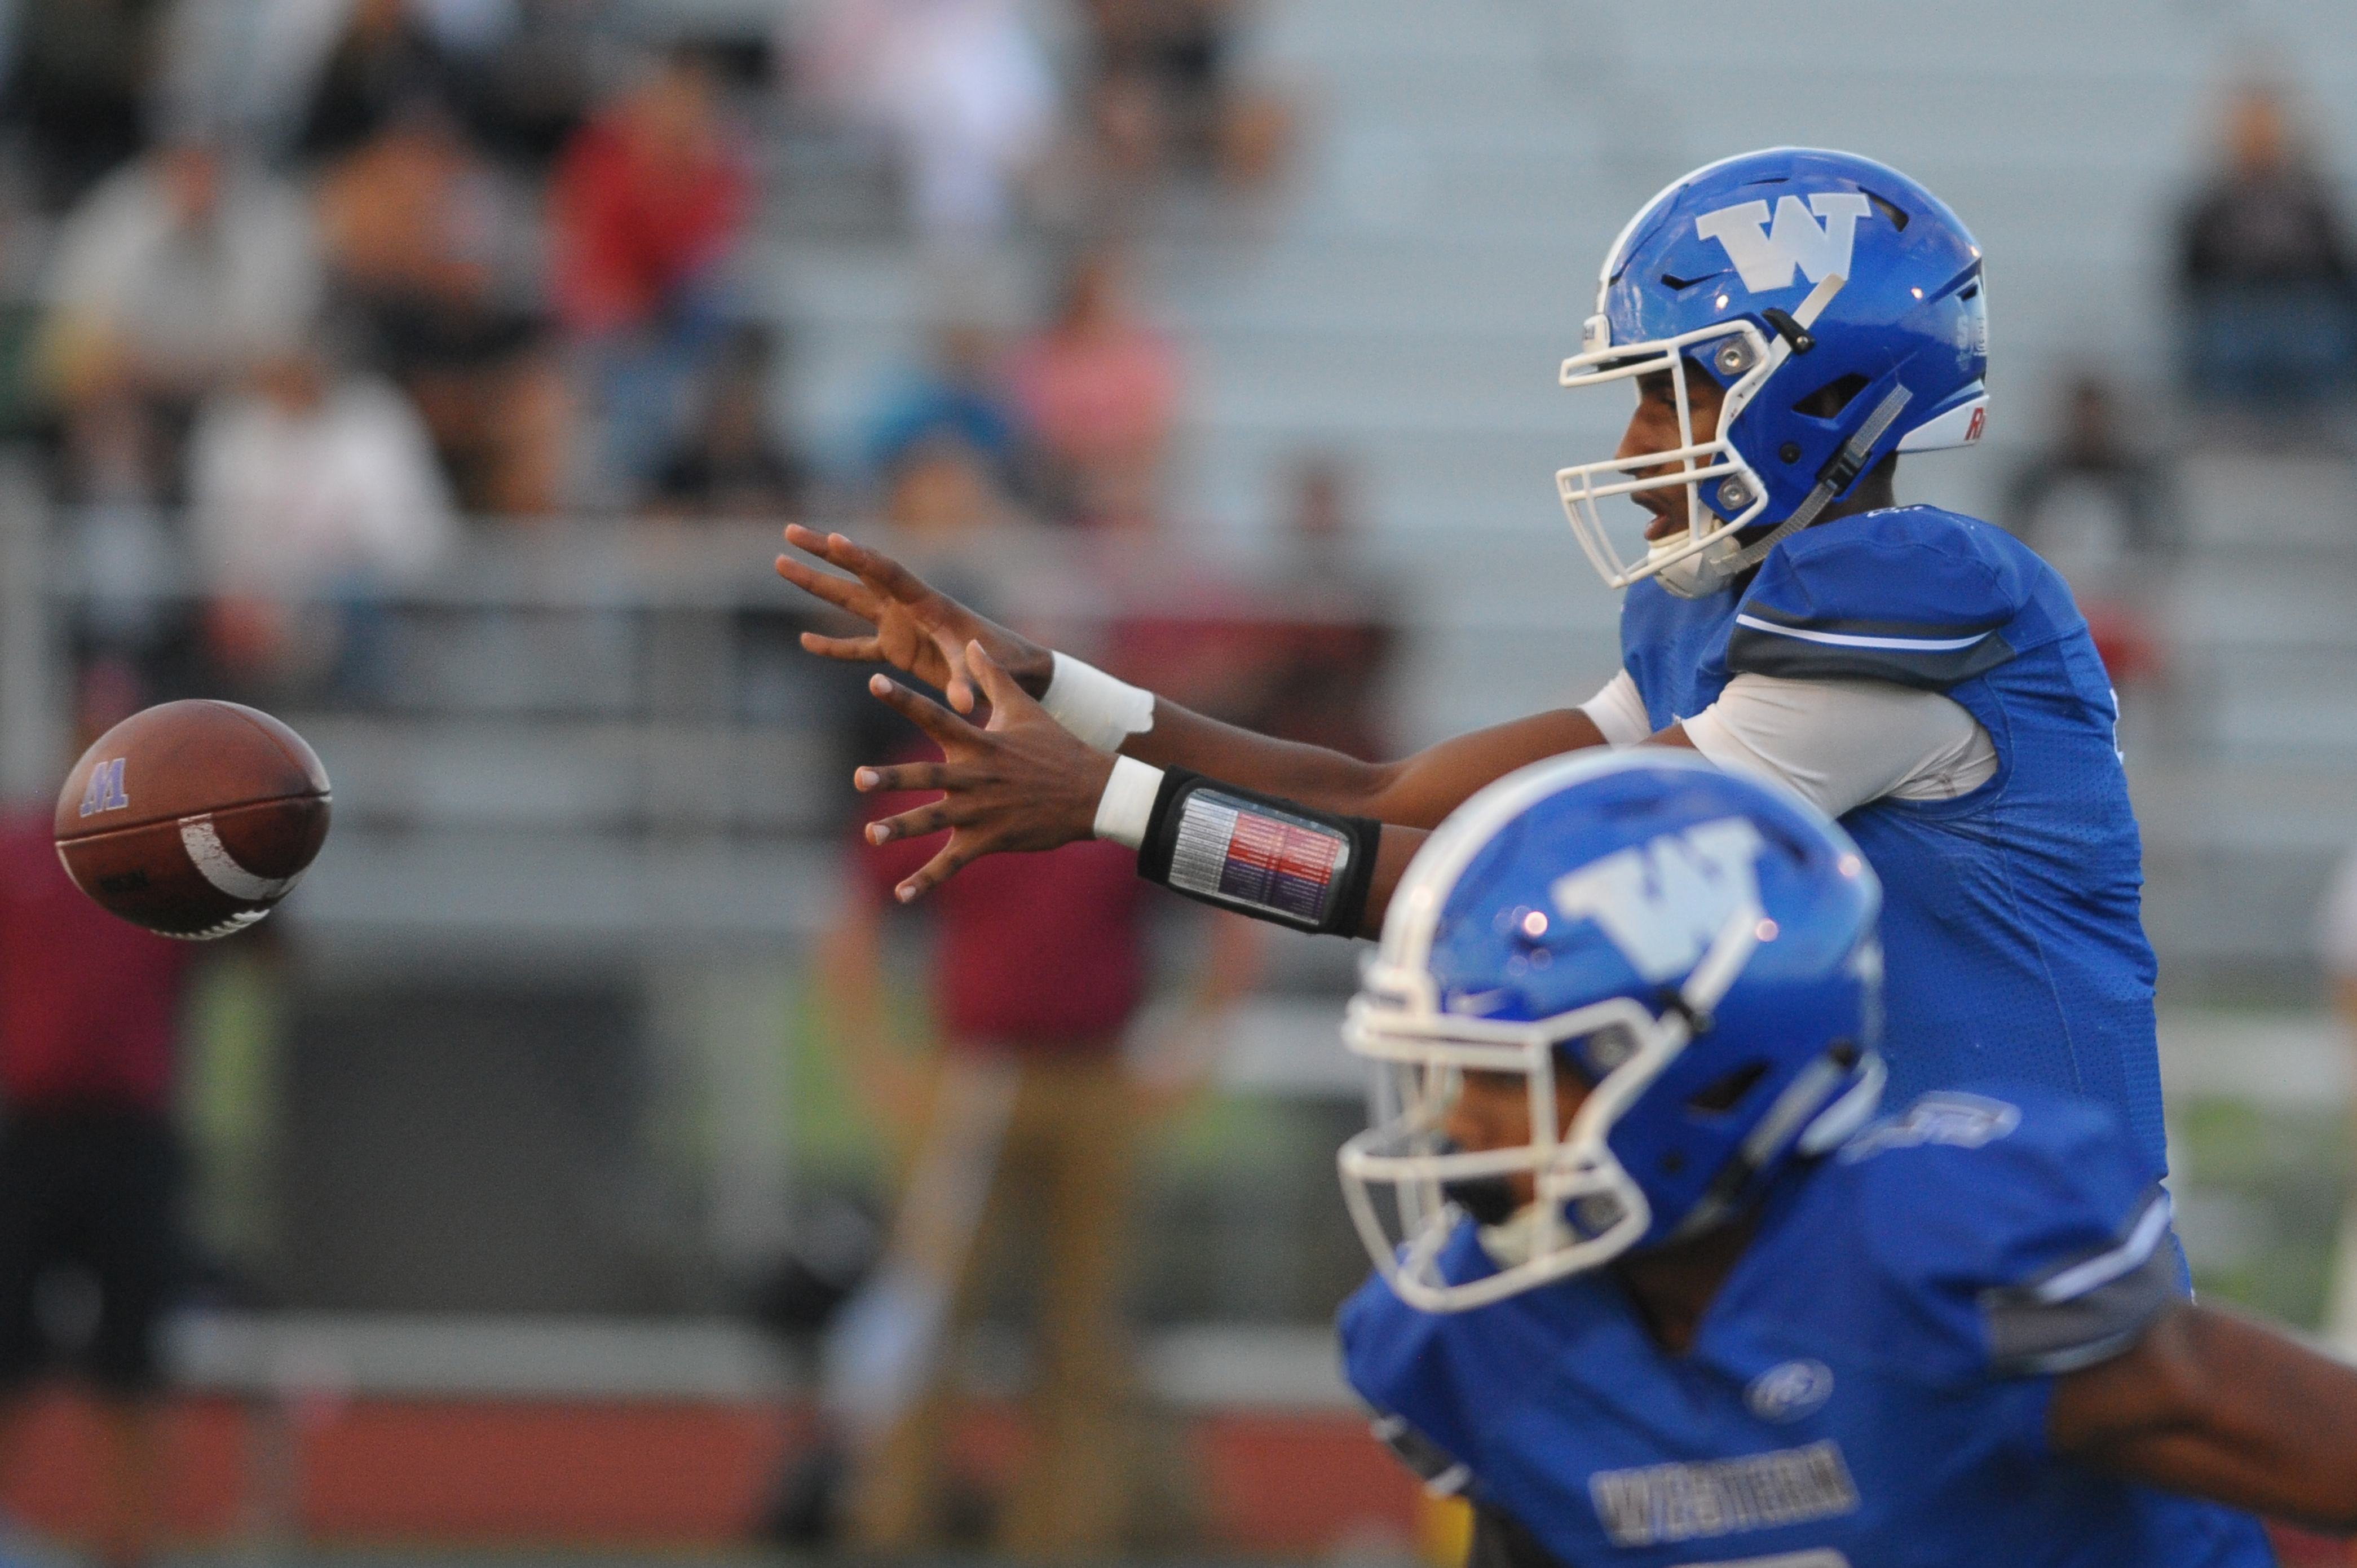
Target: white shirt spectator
x=960, y=86
x=186, y=266
x=290, y=494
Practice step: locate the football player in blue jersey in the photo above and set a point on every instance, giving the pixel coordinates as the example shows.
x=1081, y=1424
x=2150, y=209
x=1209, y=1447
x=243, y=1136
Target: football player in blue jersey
x=1792, y=321
x=1662, y=1289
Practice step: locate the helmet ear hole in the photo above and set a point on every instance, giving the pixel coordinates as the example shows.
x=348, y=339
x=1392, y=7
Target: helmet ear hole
x=1897, y=215
x=1723, y=1094
x=1829, y=400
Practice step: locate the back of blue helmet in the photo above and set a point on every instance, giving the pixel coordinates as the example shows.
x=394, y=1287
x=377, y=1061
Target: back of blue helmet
x=1686, y=956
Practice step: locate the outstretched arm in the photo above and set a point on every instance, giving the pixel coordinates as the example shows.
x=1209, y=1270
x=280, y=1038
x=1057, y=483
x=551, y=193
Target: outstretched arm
x=1414, y=791
x=2223, y=1408
x=924, y=633
x=1021, y=781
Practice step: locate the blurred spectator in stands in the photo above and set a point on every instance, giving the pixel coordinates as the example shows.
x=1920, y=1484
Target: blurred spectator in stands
x=2097, y=508
x=419, y=230
x=958, y=393
x=1166, y=97
x=1298, y=649
x=2092, y=462
x=537, y=82
x=1333, y=636
x=940, y=489
x=387, y=60
x=1096, y=391
x=2265, y=267
x=311, y=491
x=1028, y=1119
x=89, y=1163
x=960, y=89
x=116, y=538
x=1022, y=1111
x=731, y=464
x=77, y=78
x=649, y=201
x=1163, y=98
x=179, y=272
x=2336, y=951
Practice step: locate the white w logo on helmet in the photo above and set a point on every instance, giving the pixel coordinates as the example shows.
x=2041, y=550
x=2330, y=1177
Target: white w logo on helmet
x=1765, y=257
x=1664, y=902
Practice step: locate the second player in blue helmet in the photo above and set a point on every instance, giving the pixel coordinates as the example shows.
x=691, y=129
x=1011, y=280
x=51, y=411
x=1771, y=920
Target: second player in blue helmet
x=1588, y=919
x=1668, y=1292
x=1793, y=322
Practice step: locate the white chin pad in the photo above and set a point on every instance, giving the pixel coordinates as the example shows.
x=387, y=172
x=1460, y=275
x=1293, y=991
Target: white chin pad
x=1699, y=573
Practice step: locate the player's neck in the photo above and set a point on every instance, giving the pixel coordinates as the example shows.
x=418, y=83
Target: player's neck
x=1673, y=1287
x=1876, y=491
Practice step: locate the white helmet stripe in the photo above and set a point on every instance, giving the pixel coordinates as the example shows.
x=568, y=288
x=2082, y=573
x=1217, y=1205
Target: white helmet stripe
x=1414, y=912
x=1620, y=241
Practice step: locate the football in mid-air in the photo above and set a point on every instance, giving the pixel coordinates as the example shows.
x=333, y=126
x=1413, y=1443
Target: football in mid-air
x=193, y=817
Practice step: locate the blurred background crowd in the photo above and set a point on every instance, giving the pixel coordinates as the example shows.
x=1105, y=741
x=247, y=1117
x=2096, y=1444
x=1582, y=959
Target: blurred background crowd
x=591, y=1151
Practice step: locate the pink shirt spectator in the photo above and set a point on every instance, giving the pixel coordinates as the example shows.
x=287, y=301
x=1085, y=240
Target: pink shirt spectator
x=1097, y=389
x=1105, y=396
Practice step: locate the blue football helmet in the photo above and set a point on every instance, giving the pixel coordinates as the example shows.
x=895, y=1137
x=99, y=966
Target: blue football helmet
x=1794, y=278
x=1695, y=948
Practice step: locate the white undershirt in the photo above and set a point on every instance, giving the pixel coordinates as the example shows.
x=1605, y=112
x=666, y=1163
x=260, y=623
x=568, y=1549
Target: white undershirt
x=1839, y=743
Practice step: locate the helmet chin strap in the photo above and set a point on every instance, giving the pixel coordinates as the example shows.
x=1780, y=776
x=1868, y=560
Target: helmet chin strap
x=1836, y=476
x=1705, y=571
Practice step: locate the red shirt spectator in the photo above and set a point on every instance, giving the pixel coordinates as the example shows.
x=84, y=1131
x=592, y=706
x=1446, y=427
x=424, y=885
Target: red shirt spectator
x=646, y=200
x=1033, y=952
x=89, y=1003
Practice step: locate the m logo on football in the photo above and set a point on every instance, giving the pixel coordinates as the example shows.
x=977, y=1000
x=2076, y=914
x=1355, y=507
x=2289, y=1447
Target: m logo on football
x=1764, y=256
x=1664, y=902
x=105, y=791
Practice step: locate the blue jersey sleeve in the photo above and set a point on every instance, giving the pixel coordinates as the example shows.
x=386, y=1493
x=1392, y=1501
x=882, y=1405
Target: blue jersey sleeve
x=1398, y=1360
x=2014, y=1230
x=1910, y=594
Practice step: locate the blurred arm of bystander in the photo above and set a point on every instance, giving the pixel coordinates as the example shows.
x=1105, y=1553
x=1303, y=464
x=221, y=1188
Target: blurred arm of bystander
x=893, y=1082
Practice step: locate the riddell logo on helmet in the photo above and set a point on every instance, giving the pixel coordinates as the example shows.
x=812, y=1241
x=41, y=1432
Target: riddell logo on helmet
x=1980, y=423
x=1765, y=256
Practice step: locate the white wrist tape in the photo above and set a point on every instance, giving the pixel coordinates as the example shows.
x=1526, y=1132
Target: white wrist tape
x=1126, y=807
x=1098, y=709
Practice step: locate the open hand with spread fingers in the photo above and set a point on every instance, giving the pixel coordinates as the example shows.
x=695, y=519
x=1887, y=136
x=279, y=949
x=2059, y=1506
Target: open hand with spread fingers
x=1019, y=781
x=914, y=628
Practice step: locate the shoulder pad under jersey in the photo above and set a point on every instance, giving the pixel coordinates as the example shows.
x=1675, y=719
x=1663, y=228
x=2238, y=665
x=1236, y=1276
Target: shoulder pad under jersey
x=2016, y=1225
x=1914, y=596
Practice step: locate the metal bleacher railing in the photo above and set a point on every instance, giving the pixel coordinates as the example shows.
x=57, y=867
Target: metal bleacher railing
x=591, y=734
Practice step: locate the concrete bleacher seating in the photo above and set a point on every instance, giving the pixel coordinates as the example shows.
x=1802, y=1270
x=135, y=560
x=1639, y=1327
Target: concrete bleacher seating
x=1407, y=304
x=1402, y=303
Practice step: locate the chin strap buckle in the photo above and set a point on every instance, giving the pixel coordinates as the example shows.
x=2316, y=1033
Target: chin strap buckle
x=1789, y=330
x=1698, y=1020
x=1839, y=472
x=1792, y=326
